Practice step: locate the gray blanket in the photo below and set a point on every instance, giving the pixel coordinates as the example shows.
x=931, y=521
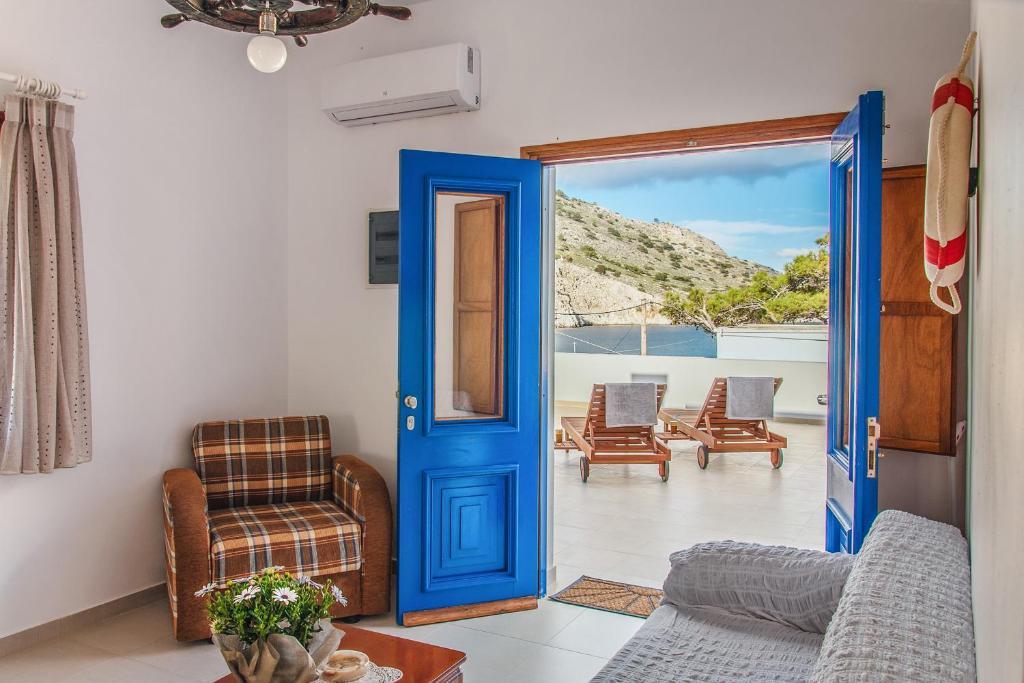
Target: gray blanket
x=743, y=612
x=905, y=615
x=710, y=645
x=793, y=586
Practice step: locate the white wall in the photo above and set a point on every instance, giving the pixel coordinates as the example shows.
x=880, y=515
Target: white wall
x=996, y=460
x=561, y=70
x=806, y=343
x=184, y=236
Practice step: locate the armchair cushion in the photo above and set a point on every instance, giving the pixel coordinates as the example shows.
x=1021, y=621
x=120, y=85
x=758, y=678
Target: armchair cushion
x=798, y=588
x=314, y=538
x=263, y=461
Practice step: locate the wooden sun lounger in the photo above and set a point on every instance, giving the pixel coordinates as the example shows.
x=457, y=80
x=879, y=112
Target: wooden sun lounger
x=719, y=434
x=614, y=445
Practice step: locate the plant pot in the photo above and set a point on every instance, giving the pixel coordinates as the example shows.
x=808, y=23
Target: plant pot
x=279, y=658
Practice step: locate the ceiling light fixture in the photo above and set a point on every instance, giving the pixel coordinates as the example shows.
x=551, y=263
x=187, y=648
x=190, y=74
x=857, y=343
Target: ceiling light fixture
x=270, y=19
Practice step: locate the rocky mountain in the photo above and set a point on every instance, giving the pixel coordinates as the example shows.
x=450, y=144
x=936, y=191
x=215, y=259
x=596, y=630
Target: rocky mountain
x=605, y=261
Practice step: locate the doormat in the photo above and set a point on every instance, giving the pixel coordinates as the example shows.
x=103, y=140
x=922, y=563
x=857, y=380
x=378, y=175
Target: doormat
x=610, y=596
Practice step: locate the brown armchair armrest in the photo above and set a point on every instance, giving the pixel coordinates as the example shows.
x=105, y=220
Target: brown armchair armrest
x=361, y=493
x=187, y=545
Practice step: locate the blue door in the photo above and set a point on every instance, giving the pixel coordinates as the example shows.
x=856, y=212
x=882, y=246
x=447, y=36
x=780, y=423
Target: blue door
x=470, y=419
x=855, y=255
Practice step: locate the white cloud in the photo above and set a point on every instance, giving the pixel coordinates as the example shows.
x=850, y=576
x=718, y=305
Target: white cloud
x=748, y=227
x=732, y=234
x=746, y=165
x=790, y=252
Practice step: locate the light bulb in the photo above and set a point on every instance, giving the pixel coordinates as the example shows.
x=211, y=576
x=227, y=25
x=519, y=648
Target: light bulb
x=267, y=53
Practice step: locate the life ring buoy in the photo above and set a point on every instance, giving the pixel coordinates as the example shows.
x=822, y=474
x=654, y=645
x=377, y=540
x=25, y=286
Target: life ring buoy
x=947, y=180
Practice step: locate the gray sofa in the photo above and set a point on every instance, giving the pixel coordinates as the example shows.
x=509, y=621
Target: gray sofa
x=898, y=611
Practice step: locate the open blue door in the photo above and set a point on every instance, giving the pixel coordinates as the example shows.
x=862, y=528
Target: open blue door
x=855, y=258
x=470, y=420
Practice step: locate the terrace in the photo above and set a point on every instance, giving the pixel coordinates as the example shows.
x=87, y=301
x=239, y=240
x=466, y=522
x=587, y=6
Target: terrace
x=624, y=521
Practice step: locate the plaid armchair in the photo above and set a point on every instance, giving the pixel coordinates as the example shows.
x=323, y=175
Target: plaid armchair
x=267, y=492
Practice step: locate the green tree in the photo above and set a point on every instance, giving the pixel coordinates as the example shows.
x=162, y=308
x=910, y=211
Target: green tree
x=809, y=272
x=798, y=294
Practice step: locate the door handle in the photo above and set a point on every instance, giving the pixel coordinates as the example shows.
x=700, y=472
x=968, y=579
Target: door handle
x=410, y=402
x=822, y=399
x=874, y=434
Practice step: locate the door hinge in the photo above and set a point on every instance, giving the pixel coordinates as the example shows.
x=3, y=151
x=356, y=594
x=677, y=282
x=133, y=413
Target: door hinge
x=874, y=434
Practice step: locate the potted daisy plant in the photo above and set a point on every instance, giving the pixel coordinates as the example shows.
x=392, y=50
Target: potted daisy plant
x=272, y=627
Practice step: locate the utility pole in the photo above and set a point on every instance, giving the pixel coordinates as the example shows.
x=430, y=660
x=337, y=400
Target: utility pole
x=643, y=329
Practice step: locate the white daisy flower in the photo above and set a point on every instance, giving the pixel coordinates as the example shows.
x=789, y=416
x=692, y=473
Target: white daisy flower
x=247, y=579
x=339, y=597
x=247, y=594
x=285, y=595
x=206, y=590
x=283, y=624
x=306, y=581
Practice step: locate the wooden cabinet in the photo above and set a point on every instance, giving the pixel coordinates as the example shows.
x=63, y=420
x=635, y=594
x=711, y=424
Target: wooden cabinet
x=918, y=340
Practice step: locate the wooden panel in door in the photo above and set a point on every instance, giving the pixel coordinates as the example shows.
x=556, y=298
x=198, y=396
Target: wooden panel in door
x=916, y=371
x=918, y=340
x=903, y=276
x=478, y=312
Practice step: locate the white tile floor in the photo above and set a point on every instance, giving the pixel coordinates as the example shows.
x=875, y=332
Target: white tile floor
x=621, y=525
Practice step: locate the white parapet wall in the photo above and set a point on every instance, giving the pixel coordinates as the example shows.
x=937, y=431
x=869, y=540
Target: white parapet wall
x=774, y=342
x=689, y=378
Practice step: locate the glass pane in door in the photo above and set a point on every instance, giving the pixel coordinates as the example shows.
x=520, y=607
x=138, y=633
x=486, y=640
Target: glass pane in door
x=469, y=306
x=847, y=307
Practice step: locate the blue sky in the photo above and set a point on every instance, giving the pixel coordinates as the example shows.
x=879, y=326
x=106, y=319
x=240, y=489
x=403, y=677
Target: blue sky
x=765, y=205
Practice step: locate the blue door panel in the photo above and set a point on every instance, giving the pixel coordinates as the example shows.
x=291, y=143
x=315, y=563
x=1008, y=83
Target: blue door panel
x=855, y=256
x=468, y=489
x=472, y=529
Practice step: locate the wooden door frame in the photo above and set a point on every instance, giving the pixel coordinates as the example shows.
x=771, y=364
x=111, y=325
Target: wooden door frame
x=788, y=131
x=766, y=133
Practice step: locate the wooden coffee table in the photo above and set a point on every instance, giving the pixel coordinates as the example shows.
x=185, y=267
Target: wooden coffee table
x=419, y=662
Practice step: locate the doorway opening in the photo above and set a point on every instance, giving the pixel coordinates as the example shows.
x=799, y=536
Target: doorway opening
x=679, y=259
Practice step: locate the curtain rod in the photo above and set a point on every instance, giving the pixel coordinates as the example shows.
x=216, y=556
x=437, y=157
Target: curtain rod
x=35, y=87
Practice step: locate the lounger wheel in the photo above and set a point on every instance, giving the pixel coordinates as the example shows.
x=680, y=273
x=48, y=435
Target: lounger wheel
x=777, y=458
x=584, y=468
x=702, y=457
x=663, y=470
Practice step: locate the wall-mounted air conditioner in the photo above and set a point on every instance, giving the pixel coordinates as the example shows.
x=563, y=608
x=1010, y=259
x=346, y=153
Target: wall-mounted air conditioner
x=437, y=80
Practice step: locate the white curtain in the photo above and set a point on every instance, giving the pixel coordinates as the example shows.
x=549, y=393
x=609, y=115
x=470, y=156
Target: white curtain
x=45, y=411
